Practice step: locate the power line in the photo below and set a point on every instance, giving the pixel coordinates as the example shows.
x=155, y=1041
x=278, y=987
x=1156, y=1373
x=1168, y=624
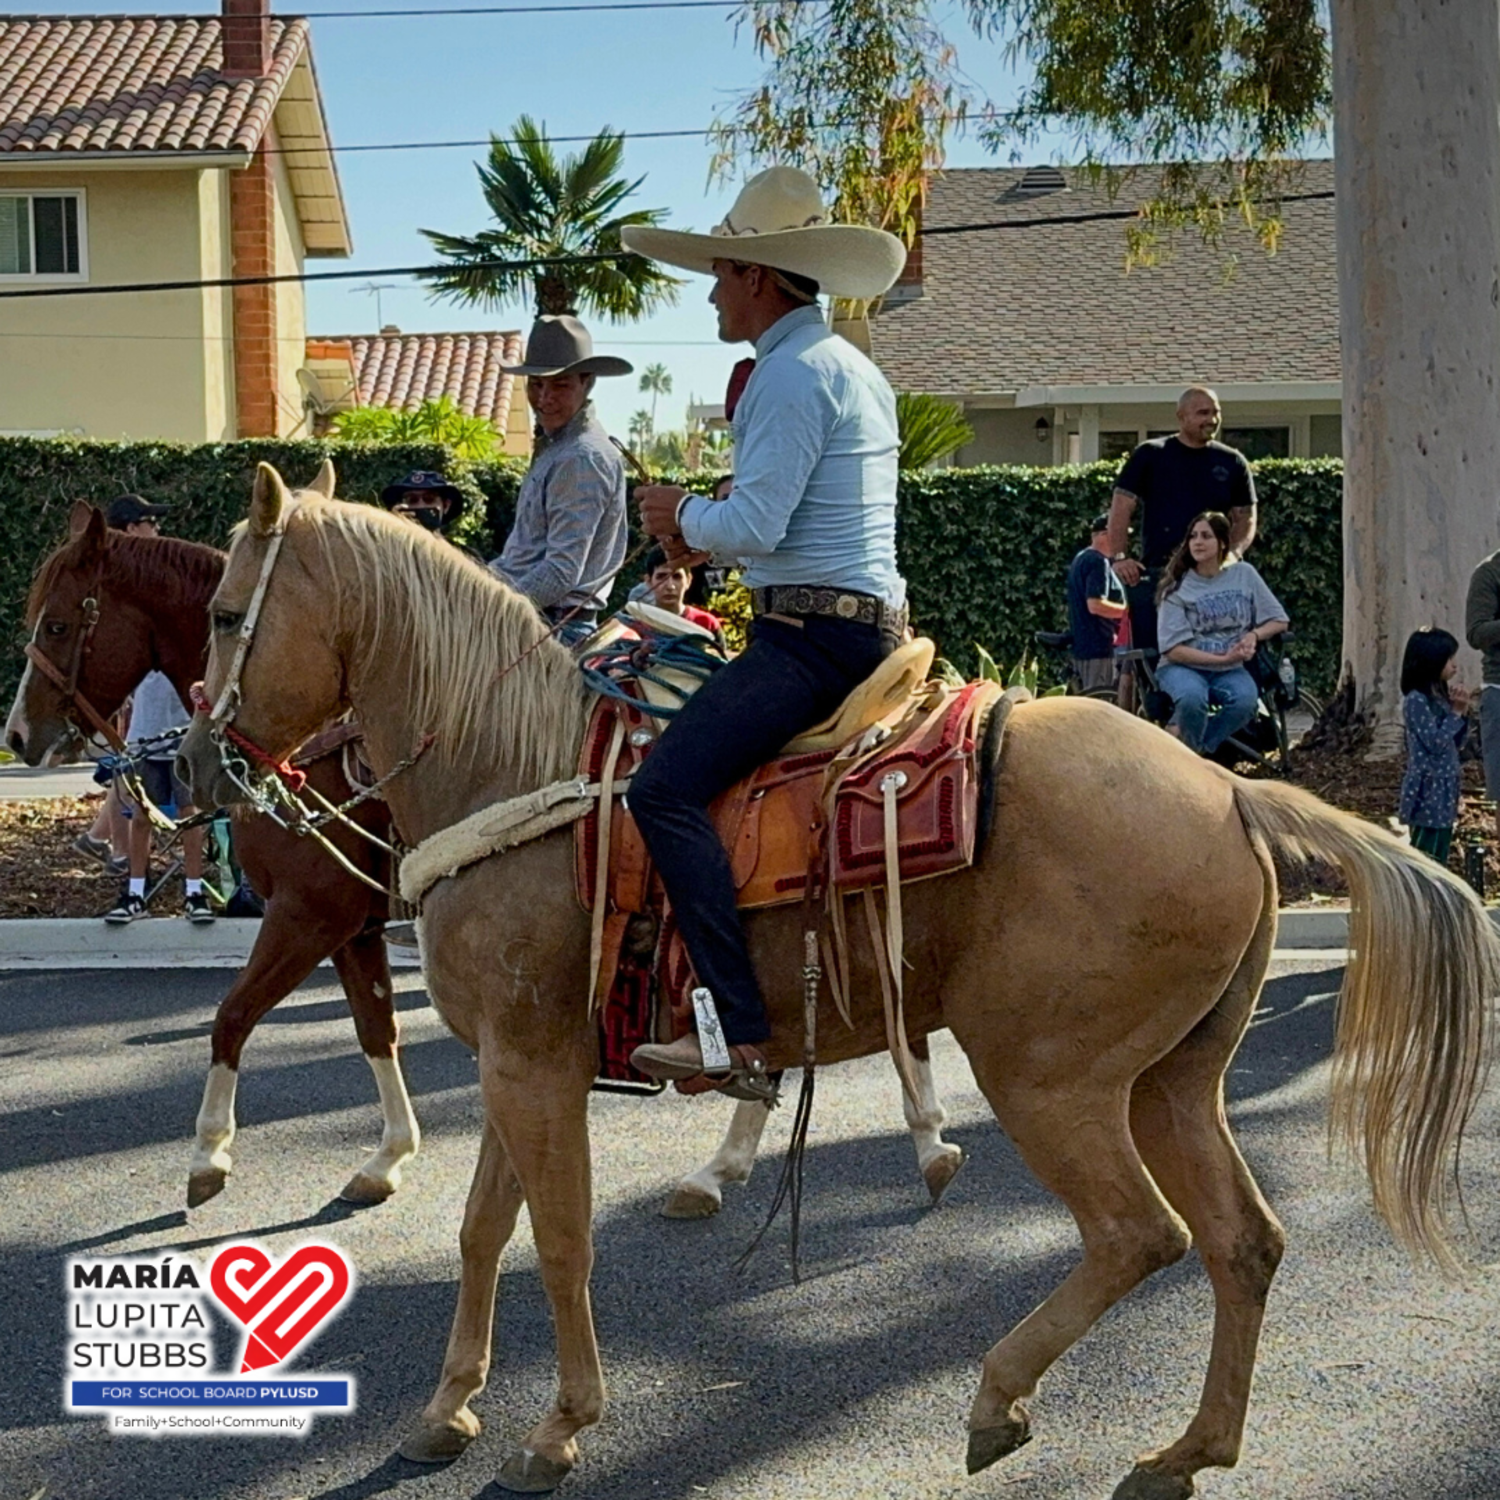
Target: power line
x=450, y=268
x=529, y=10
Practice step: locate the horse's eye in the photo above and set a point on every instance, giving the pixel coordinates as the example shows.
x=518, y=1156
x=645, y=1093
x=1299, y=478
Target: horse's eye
x=225, y=622
x=56, y=628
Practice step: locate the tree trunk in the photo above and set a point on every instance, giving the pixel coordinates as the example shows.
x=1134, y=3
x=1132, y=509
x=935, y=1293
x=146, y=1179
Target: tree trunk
x=1417, y=131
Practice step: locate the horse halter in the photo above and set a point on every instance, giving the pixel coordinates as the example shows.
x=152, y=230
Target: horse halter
x=88, y=611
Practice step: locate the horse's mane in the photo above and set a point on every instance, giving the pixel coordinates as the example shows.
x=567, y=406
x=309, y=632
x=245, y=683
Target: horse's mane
x=175, y=573
x=406, y=595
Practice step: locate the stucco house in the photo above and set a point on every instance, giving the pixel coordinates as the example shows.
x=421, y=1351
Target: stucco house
x=402, y=370
x=1058, y=355
x=148, y=149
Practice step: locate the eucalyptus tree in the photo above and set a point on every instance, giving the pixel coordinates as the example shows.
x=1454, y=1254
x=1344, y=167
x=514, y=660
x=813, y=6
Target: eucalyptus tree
x=1218, y=97
x=551, y=209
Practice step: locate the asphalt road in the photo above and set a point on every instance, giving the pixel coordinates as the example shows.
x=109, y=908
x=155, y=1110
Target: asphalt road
x=1375, y=1379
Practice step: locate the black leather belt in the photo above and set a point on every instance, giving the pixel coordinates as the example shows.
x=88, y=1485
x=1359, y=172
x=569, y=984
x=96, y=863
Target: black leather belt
x=836, y=604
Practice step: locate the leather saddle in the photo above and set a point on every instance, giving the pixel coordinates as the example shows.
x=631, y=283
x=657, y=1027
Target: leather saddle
x=892, y=780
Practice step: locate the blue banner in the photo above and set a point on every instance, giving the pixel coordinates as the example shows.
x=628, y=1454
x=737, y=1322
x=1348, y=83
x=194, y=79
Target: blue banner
x=297, y=1395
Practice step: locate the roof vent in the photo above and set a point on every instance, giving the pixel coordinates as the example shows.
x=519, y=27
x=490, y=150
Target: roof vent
x=1037, y=182
x=388, y=330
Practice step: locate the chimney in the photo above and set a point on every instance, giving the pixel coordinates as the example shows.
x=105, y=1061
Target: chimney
x=246, y=28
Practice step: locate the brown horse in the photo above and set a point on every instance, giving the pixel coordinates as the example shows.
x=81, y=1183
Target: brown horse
x=1103, y=1056
x=153, y=595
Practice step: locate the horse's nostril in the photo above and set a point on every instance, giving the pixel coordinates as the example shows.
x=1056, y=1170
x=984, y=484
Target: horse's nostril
x=15, y=742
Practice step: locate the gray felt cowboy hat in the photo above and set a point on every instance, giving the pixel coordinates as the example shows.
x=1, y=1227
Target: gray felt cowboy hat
x=561, y=345
x=779, y=221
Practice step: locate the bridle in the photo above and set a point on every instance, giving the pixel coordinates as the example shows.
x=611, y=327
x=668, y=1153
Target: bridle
x=88, y=613
x=277, y=794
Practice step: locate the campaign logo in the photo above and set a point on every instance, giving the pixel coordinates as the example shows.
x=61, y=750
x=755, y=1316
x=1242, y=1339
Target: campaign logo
x=140, y=1339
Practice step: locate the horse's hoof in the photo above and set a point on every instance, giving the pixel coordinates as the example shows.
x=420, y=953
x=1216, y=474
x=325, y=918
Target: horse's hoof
x=429, y=1444
x=988, y=1445
x=690, y=1202
x=941, y=1170
x=363, y=1189
x=1153, y=1484
x=528, y=1473
x=208, y=1183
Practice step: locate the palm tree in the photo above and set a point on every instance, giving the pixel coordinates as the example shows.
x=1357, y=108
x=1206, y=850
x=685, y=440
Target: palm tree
x=654, y=378
x=543, y=207
x=640, y=429
x=930, y=429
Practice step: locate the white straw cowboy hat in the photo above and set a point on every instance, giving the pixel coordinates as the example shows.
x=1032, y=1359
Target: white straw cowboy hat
x=559, y=345
x=779, y=221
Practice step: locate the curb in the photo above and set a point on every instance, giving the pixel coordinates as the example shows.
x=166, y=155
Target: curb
x=41, y=943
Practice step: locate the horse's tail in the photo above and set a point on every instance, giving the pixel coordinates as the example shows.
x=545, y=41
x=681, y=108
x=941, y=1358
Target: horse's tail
x=1412, y=1045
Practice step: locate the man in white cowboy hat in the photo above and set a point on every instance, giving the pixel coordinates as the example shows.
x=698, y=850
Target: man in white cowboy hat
x=568, y=540
x=812, y=519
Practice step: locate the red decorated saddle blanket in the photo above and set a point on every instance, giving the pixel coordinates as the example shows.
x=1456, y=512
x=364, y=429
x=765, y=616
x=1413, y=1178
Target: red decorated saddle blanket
x=929, y=764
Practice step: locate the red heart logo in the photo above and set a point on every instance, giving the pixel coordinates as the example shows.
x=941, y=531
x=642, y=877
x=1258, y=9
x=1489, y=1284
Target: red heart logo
x=281, y=1306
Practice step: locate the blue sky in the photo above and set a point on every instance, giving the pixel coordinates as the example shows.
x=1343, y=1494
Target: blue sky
x=435, y=77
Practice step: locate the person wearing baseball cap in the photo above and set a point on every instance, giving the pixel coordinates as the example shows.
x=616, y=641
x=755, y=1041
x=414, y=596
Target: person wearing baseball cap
x=813, y=515
x=134, y=515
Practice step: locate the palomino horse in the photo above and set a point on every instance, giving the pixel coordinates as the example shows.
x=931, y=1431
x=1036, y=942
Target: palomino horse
x=1103, y=1056
x=152, y=595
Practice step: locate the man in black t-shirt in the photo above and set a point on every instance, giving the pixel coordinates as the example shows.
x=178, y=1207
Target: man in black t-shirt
x=1096, y=603
x=1171, y=480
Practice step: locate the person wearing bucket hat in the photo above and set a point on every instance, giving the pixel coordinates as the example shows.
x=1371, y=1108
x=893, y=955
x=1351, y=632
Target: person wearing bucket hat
x=427, y=498
x=812, y=520
x=569, y=536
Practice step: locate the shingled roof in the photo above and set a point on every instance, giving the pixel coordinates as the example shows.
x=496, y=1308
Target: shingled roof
x=106, y=88
x=1050, y=305
x=402, y=370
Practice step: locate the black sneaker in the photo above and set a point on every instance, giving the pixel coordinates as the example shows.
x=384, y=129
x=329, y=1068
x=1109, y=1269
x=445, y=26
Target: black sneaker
x=126, y=909
x=197, y=910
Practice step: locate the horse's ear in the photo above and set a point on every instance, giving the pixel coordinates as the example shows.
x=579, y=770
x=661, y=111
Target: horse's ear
x=78, y=517
x=324, y=481
x=267, y=501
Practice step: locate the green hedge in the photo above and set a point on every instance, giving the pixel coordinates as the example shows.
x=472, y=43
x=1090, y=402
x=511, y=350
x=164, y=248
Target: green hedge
x=985, y=550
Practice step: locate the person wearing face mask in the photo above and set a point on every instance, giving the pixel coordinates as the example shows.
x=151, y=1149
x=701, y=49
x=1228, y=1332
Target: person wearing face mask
x=425, y=497
x=569, y=536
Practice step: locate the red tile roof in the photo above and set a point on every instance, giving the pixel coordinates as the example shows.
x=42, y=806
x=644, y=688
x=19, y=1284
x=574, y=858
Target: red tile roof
x=133, y=84
x=403, y=370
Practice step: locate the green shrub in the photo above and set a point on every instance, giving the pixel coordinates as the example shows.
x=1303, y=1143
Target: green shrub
x=985, y=551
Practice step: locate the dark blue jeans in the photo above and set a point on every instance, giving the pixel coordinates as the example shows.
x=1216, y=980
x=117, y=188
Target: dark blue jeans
x=784, y=682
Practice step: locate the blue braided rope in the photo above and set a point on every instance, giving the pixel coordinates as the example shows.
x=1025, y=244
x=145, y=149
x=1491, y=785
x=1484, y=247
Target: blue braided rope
x=606, y=671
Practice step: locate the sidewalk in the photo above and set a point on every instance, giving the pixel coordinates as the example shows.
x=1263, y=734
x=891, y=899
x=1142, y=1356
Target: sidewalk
x=171, y=943
x=149, y=943
x=20, y=783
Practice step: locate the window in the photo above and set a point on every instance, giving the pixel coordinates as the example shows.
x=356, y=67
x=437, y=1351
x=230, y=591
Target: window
x=1114, y=445
x=40, y=234
x=1259, y=442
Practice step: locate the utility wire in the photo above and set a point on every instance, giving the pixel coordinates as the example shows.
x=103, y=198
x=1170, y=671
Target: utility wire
x=530, y=10
x=537, y=263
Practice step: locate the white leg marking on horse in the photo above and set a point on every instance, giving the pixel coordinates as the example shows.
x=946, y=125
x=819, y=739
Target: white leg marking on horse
x=380, y=991
x=937, y=1160
x=700, y=1194
x=400, y=1138
x=215, y=1121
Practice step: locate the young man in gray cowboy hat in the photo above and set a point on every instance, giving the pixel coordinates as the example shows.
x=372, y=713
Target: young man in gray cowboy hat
x=812, y=515
x=569, y=536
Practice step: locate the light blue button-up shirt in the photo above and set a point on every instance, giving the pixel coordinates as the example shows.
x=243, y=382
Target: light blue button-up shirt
x=815, y=445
